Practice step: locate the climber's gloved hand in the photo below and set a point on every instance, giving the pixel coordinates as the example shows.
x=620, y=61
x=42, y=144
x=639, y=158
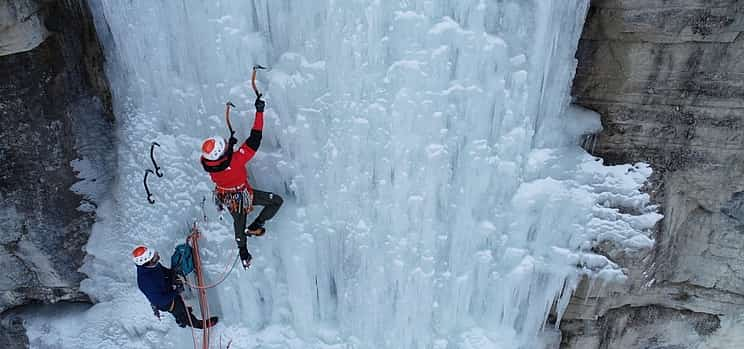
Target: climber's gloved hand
x=155, y=311
x=260, y=104
x=245, y=258
x=232, y=141
x=178, y=283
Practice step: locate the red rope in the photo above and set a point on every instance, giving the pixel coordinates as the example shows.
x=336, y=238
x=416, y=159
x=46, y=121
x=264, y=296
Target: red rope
x=203, y=303
x=193, y=333
x=222, y=278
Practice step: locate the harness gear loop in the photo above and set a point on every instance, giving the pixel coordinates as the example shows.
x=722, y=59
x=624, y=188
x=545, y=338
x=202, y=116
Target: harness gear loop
x=233, y=198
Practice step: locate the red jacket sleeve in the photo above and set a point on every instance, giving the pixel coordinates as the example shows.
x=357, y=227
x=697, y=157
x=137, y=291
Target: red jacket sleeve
x=249, y=148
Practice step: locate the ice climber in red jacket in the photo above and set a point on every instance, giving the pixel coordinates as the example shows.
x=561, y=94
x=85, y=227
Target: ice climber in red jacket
x=227, y=168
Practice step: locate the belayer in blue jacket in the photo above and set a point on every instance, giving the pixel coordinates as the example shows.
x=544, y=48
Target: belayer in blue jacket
x=159, y=284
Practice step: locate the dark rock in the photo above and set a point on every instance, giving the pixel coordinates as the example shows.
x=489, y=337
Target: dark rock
x=665, y=75
x=640, y=327
x=734, y=208
x=21, y=26
x=13, y=334
x=57, y=160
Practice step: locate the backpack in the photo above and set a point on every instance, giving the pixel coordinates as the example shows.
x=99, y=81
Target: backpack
x=182, y=261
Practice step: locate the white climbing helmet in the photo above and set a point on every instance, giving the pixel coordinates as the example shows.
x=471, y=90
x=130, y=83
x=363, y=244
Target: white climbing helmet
x=141, y=255
x=213, y=148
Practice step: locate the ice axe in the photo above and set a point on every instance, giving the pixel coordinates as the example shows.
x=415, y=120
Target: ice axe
x=227, y=117
x=147, y=189
x=152, y=157
x=253, y=80
x=148, y=171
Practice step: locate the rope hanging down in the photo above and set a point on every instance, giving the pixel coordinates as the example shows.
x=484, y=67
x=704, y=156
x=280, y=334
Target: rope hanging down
x=229, y=267
x=203, y=303
x=193, y=240
x=191, y=323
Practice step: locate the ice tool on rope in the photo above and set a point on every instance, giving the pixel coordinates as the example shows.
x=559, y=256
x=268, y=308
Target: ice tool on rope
x=147, y=190
x=152, y=157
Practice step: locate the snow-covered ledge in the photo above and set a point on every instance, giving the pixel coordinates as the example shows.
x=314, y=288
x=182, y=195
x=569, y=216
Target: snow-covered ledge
x=21, y=26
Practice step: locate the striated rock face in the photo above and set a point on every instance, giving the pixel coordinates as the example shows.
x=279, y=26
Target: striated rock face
x=666, y=76
x=643, y=327
x=55, y=150
x=21, y=27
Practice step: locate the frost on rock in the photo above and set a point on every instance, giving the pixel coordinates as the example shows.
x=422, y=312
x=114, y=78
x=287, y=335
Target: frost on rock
x=436, y=196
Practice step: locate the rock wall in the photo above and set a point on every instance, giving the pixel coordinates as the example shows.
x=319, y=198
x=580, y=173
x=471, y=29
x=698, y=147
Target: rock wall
x=55, y=146
x=21, y=27
x=666, y=76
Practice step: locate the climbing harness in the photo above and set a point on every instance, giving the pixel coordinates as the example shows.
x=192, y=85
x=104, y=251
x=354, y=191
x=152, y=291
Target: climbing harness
x=233, y=198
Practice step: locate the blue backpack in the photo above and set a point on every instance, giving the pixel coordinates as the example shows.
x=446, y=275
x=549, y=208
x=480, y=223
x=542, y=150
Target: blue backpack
x=182, y=261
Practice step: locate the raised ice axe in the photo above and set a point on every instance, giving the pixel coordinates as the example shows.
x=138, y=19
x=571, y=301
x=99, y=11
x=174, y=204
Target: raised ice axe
x=227, y=117
x=253, y=80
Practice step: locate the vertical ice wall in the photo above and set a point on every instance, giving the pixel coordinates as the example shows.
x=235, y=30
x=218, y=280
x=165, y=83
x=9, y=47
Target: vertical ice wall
x=436, y=197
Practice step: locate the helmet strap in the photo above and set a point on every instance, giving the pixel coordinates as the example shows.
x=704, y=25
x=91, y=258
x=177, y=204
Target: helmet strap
x=224, y=161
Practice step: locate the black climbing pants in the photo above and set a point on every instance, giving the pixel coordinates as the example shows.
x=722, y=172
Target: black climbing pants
x=182, y=314
x=271, y=204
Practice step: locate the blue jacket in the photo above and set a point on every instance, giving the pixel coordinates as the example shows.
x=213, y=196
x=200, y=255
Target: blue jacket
x=157, y=285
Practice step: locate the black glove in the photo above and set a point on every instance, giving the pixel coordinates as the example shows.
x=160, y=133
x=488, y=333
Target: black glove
x=245, y=257
x=178, y=283
x=260, y=104
x=155, y=311
x=171, y=278
x=233, y=140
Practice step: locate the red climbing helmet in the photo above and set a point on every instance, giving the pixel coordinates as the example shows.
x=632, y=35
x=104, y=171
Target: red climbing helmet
x=141, y=255
x=213, y=148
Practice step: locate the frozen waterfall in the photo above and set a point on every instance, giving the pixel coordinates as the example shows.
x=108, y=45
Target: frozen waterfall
x=435, y=194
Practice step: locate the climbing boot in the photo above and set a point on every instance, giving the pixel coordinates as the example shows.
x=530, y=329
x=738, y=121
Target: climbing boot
x=211, y=322
x=255, y=229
